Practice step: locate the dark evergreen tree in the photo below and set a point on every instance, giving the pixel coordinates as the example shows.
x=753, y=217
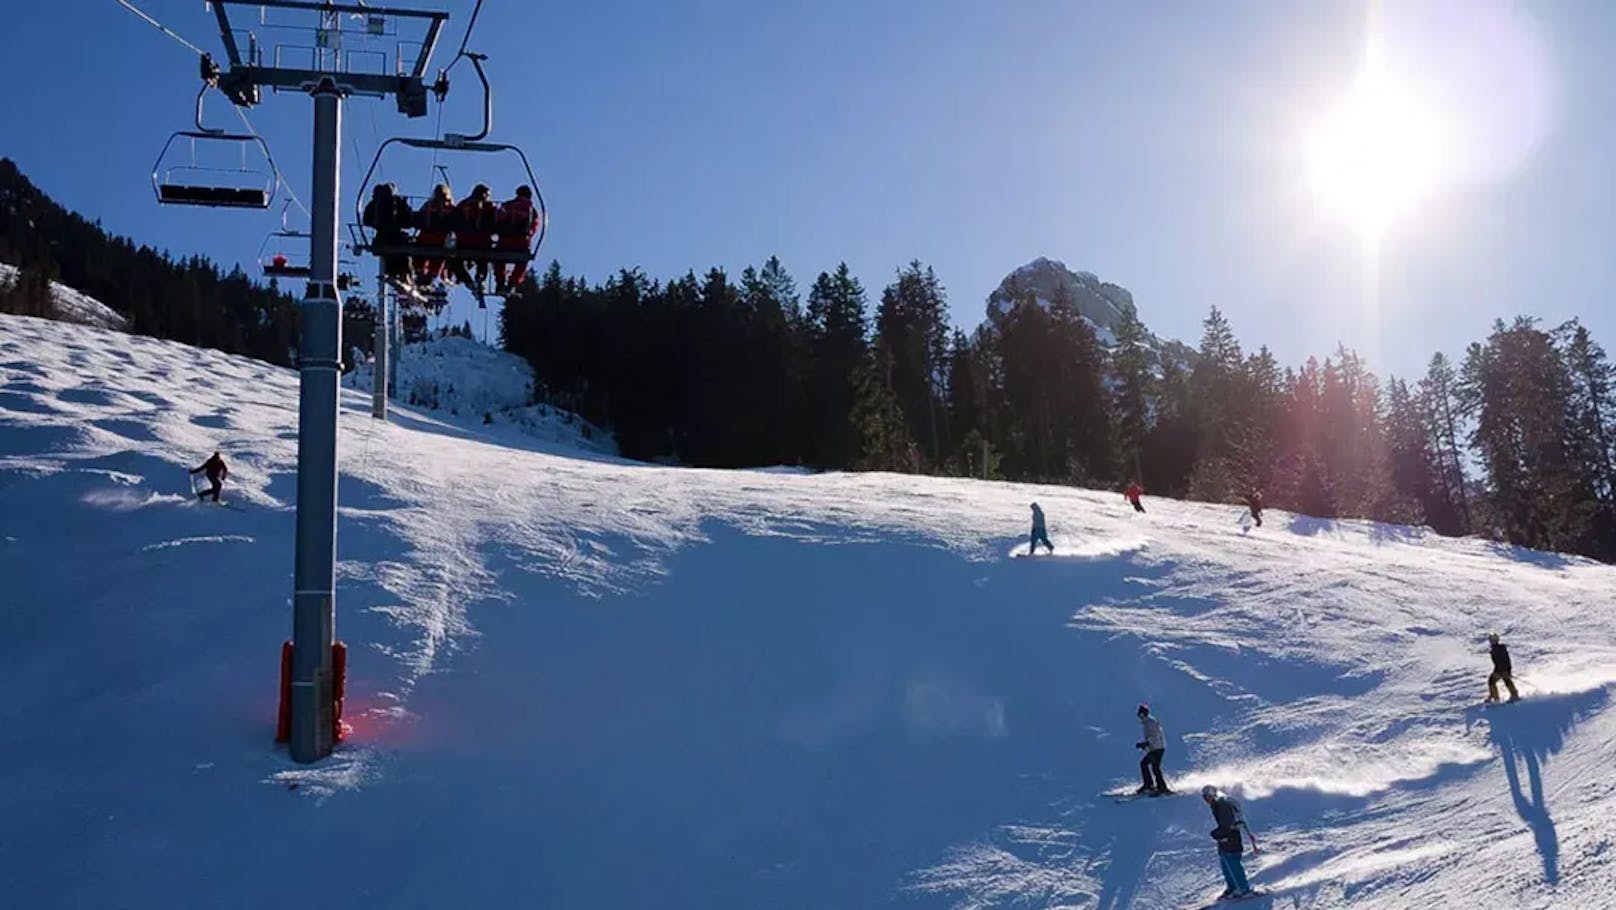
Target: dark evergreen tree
x=911, y=327
x=836, y=341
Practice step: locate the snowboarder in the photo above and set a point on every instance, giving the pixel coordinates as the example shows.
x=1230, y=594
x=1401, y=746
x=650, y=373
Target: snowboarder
x=1254, y=502
x=1040, y=535
x=1155, y=745
x=1502, y=670
x=216, y=473
x=1226, y=812
x=1132, y=494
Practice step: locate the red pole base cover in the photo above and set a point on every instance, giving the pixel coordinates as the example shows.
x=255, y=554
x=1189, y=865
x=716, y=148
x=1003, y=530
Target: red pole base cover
x=339, y=672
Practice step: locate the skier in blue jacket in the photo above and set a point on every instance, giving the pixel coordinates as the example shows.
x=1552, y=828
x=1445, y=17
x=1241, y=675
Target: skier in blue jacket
x=1040, y=534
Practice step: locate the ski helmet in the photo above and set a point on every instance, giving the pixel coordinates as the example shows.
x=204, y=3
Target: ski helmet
x=1209, y=792
x=1492, y=637
x=1143, y=709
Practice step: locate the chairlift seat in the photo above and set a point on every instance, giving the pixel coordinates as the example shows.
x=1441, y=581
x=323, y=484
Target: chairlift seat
x=286, y=270
x=217, y=196
x=417, y=251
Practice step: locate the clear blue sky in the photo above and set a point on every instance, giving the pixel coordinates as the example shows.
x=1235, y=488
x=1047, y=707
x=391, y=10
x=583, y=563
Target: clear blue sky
x=1151, y=143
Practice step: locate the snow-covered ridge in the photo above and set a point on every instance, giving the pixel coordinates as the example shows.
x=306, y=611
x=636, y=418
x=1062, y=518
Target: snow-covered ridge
x=1100, y=303
x=462, y=378
x=577, y=681
x=72, y=305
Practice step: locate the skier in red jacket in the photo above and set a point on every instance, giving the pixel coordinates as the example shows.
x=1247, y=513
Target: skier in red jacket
x=216, y=473
x=1132, y=494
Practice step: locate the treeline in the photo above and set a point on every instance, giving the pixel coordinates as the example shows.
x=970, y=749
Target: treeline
x=1515, y=442
x=189, y=300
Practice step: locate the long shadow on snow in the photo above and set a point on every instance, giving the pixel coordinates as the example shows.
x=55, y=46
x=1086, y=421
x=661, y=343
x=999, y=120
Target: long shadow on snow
x=1527, y=733
x=772, y=724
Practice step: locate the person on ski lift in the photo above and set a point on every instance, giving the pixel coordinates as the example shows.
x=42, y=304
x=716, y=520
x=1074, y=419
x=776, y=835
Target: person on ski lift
x=474, y=223
x=390, y=216
x=1155, y=746
x=434, y=221
x=1502, y=670
x=1254, y=503
x=1040, y=534
x=518, y=221
x=216, y=472
x=1231, y=823
x=1132, y=494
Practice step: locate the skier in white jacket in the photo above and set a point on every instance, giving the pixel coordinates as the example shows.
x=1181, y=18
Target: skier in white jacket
x=1154, y=744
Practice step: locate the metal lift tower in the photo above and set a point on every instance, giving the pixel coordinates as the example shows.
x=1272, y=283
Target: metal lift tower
x=328, y=75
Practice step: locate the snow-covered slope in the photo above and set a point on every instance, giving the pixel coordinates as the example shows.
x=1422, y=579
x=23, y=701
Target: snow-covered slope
x=72, y=305
x=583, y=682
x=461, y=378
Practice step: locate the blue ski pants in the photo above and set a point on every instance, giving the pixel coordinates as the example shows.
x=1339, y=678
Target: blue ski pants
x=1234, y=871
x=1039, y=536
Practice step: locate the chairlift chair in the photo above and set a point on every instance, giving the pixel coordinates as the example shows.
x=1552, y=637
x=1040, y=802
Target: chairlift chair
x=274, y=258
x=453, y=142
x=418, y=251
x=191, y=183
x=180, y=177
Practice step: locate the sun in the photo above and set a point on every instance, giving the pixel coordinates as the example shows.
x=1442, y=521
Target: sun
x=1377, y=154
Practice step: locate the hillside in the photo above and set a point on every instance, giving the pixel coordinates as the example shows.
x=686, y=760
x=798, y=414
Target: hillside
x=579, y=681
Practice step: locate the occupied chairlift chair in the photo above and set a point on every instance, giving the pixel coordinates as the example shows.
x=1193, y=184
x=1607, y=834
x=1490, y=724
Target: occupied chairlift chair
x=453, y=142
x=179, y=177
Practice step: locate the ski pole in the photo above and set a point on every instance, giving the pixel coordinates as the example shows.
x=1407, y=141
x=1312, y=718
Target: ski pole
x=1253, y=839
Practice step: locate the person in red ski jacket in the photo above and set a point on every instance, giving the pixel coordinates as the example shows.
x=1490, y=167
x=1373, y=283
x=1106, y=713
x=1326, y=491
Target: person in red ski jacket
x=434, y=220
x=1132, y=494
x=216, y=472
x=474, y=230
x=518, y=222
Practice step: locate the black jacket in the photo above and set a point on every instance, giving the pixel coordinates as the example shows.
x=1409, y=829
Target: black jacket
x=1227, y=833
x=1501, y=659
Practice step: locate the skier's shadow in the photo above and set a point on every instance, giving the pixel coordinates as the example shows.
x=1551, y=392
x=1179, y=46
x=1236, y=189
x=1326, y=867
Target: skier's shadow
x=1527, y=733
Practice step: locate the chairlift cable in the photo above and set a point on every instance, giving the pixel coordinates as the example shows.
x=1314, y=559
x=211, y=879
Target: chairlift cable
x=161, y=27
x=280, y=178
x=470, y=24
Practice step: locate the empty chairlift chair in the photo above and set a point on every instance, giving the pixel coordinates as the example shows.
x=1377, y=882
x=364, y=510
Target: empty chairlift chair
x=214, y=168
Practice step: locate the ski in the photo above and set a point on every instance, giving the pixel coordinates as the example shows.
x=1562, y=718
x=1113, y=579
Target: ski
x=1230, y=901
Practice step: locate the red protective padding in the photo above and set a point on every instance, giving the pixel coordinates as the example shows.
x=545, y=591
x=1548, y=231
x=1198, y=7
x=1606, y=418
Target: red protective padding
x=283, y=721
x=339, y=687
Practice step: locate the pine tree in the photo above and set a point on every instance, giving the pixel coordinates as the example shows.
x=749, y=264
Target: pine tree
x=911, y=326
x=1132, y=388
x=1438, y=391
x=1215, y=381
x=884, y=443
x=836, y=338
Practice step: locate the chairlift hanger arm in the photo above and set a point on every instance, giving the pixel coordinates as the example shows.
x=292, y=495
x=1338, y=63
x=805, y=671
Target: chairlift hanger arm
x=229, y=37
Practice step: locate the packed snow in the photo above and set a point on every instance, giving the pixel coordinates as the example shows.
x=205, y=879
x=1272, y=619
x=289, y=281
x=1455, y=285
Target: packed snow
x=577, y=681
x=463, y=378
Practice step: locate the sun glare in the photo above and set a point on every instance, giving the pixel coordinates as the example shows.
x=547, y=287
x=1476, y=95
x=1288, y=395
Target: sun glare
x=1375, y=155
